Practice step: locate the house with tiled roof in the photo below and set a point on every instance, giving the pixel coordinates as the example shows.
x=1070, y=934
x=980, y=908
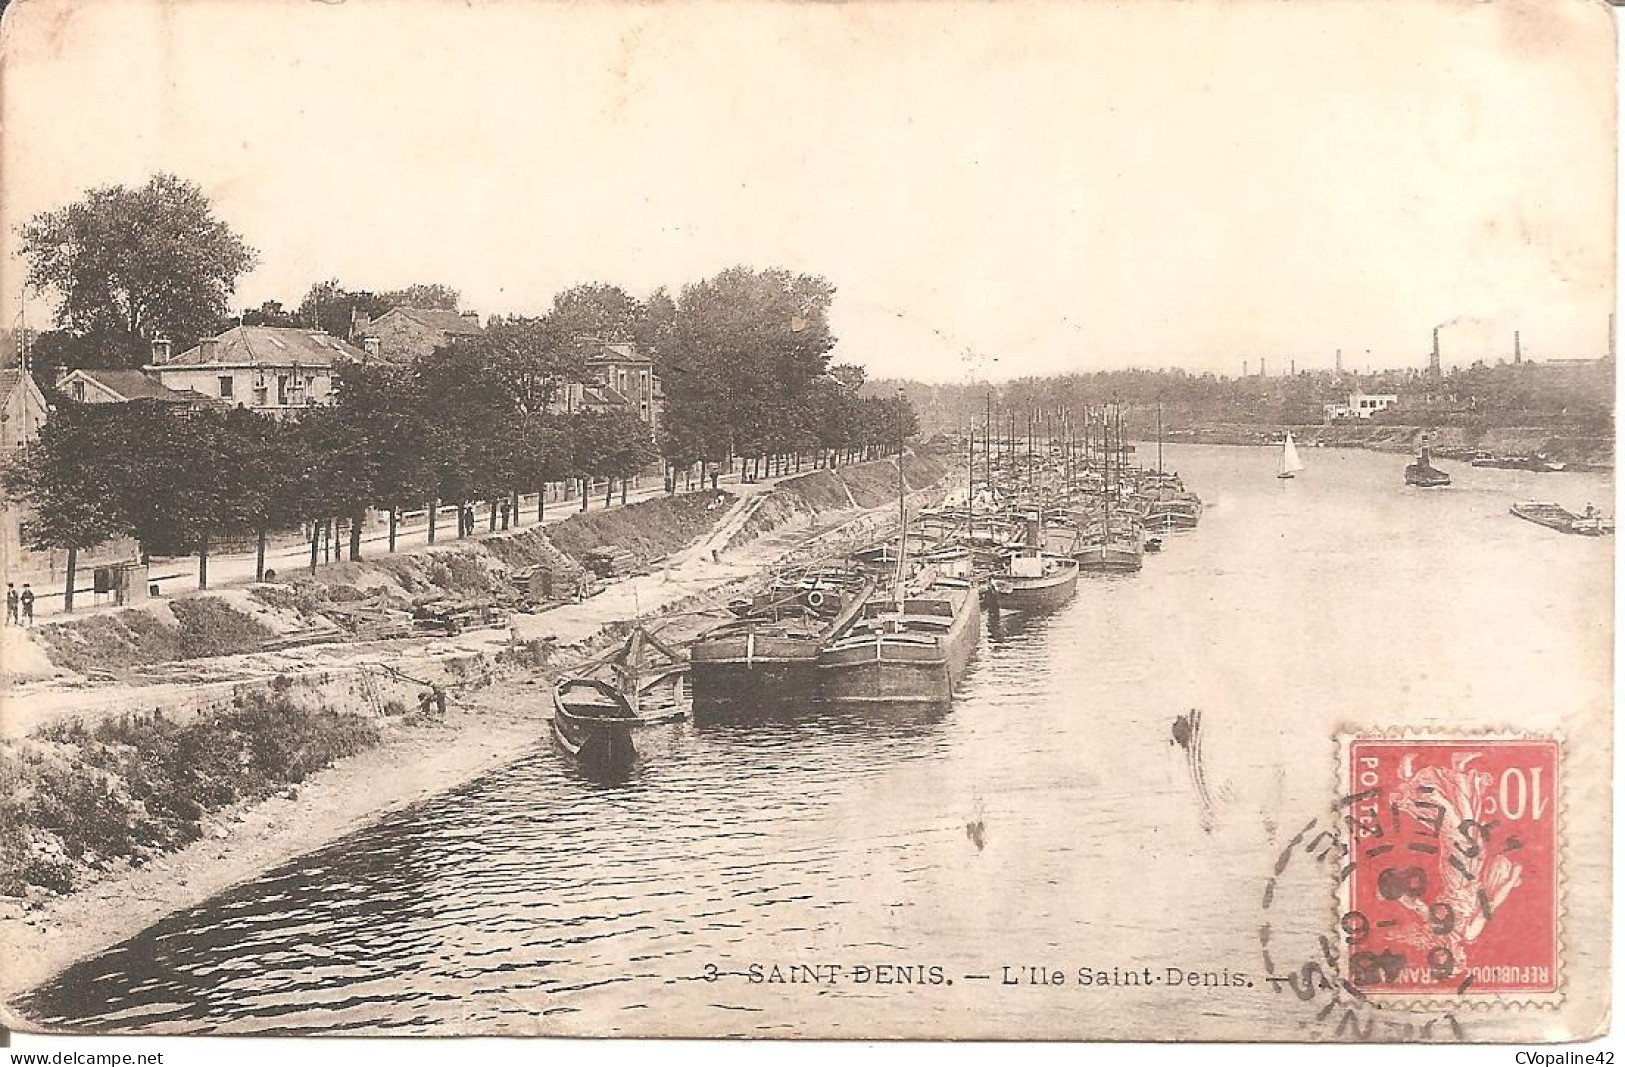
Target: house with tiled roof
x=623, y=370
x=403, y=334
x=23, y=409
x=278, y=370
x=89, y=385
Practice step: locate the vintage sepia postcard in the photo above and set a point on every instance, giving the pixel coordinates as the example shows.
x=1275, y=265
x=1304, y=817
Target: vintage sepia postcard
x=1027, y=521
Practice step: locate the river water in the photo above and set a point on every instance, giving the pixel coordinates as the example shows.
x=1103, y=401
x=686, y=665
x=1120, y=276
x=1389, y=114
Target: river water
x=1045, y=820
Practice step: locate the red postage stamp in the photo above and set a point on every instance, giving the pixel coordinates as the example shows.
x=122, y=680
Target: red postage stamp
x=1451, y=883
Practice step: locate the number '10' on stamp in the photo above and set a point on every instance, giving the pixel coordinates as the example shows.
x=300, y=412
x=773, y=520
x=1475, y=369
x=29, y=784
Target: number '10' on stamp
x=1450, y=887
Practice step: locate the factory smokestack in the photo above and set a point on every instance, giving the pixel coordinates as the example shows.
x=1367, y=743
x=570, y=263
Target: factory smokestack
x=1338, y=365
x=1517, y=347
x=1433, y=360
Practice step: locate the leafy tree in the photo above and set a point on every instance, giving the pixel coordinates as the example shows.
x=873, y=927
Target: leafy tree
x=606, y=312
x=431, y=297
x=55, y=350
x=68, y=484
x=134, y=264
x=329, y=306
x=270, y=313
x=178, y=479
x=623, y=448
x=740, y=355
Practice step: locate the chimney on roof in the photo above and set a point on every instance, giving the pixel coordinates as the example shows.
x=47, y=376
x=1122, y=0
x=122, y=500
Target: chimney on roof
x=473, y=317
x=208, y=349
x=360, y=323
x=372, y=346
x=161, y=347
x=62, y=376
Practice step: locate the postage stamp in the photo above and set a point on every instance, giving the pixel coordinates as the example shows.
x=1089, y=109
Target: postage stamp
x=1451, y=885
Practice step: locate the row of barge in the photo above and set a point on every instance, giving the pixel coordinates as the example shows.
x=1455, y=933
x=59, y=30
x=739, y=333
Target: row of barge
x=897, y=622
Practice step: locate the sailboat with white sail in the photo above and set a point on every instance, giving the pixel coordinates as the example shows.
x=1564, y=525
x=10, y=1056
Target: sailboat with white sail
x=1290, y=463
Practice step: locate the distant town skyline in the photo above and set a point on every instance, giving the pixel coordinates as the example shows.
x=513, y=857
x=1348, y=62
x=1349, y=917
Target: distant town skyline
x=995, y=191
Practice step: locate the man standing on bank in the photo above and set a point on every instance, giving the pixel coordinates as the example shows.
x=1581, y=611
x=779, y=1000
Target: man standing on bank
x=11, y=604
x=28, y=604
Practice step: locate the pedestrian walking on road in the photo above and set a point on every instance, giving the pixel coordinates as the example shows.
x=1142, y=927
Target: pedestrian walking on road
x=27, y=600
x=11, y=604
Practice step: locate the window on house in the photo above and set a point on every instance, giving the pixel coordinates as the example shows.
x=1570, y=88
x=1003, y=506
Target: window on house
x=225, y=386
x=282, y=389
x=78, y=390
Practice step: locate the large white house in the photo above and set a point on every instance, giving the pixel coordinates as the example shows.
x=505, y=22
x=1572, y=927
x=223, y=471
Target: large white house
x=1361, y=406
x=274, y=369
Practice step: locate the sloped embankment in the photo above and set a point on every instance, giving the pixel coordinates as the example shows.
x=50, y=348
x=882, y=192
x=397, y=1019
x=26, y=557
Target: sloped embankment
x=190, y=628
x=866, y=485
x=230, y=622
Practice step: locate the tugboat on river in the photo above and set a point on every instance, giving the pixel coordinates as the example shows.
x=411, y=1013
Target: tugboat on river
x=1423, y=473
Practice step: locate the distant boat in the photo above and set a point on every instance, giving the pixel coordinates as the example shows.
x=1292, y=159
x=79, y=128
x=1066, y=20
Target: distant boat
x=593, y=722
x=1290, y=463
x=1424, y=474
x=1536, y=462
x=1557, y=517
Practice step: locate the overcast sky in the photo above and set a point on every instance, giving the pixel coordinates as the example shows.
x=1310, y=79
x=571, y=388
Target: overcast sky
x=994, y=190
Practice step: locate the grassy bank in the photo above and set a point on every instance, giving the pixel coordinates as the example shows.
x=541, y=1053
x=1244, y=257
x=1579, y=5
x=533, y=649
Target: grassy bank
x=190, y=628
x=76, y=799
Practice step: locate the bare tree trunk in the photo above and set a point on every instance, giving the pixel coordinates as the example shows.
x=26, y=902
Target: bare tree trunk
x=491, y=506
x=623, y=491
x=609, y=491
x=434, y=513
x=393, y=515
x=203, y=562
x=259, y=557
x=315, y=543
x=584, y=494
x=73, y=572
x=355, y=539
x=541, y=503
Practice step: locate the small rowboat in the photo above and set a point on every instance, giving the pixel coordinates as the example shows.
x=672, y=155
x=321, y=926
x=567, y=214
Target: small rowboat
x=1557, y=517
x=593, y=722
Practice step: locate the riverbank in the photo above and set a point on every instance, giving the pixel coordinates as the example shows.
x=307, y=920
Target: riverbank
x=497, y=710
x=1579, y=453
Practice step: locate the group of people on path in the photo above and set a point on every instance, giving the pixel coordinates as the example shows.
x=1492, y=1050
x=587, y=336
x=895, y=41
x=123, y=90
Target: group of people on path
x=19, y=606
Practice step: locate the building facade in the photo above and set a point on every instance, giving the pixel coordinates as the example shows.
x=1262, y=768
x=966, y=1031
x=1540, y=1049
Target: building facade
x=120, y=386
x=630, y=376
x=403, y=334
x=271, y=369
x=1360, y=406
